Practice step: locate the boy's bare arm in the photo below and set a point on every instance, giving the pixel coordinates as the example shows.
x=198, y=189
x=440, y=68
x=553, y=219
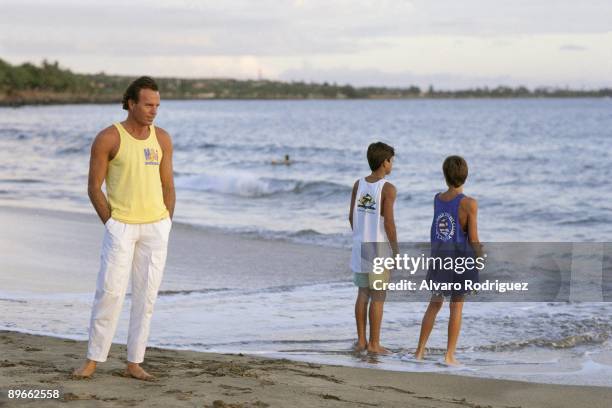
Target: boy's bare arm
x=472, y=225
x=389, y=193
x=101, y=149
x=166, y=172
x=353, y=197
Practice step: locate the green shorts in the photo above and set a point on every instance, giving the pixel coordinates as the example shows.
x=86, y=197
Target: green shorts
x=361, y=280
x=366, y=280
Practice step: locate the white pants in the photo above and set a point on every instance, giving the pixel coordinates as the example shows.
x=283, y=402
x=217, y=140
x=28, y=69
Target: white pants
x=139, y=250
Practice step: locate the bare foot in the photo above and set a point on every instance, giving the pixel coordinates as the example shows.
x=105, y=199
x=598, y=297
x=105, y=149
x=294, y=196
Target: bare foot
x=377, y=349
x=136, y=371
x=451, y=361
x=86, y=370
x=419, y=355
x=359, y=347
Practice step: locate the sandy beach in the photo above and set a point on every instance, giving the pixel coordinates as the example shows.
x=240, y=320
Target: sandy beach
x=192, y=379
x=43, y=250
x=49, y=254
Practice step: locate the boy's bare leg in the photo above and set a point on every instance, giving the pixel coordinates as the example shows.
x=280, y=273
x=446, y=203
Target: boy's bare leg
x=377, y=304
x=361, y=318
x=429, y=319
x=86, y=370
x=454, y=326
x=136, y=371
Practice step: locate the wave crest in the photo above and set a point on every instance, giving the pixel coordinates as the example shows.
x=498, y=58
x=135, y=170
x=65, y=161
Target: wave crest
x=247, y=185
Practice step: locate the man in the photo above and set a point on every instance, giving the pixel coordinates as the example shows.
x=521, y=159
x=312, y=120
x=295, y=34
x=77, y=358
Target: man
x=135, y=159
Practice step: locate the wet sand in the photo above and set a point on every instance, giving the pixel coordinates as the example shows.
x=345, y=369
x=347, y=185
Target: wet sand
x=55, y=251
x=192, y=379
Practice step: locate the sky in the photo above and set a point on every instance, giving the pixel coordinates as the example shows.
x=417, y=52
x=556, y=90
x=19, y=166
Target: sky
x=450, y=44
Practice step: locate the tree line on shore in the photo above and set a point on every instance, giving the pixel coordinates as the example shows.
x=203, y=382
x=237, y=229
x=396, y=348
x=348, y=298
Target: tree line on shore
x=50, y=83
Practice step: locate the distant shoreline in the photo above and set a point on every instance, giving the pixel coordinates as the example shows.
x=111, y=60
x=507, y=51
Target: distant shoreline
x=51, y=84
x=83, y=100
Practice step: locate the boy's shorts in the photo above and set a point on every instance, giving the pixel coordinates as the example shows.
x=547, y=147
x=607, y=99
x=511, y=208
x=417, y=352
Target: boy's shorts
x=361, y=280
x=366, y=280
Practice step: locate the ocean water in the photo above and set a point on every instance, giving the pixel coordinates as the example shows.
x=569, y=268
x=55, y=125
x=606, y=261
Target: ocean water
x=541, y=170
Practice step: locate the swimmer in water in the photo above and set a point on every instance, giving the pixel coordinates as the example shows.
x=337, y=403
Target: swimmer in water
x=286, y=161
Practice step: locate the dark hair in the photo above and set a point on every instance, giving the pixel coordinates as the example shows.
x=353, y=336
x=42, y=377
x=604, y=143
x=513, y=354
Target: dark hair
x=455, y=170
x=132, y=91
x=377, y=153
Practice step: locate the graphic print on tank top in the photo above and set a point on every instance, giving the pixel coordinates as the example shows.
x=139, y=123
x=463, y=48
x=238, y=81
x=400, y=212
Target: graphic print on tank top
x=445, y=226
x=366, y=203
x=151, y=156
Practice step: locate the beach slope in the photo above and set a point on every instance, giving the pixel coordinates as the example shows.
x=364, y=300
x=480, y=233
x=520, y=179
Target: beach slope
x=190, y=379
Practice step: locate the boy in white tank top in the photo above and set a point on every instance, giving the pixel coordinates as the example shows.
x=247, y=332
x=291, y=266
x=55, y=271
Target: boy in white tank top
x=372, y=220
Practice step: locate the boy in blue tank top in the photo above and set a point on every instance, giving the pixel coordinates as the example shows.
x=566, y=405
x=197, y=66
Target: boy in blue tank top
x=372, y=221
x=454, y=232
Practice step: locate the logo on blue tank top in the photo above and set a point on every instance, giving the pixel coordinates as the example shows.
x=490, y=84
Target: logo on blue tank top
x=445, y=226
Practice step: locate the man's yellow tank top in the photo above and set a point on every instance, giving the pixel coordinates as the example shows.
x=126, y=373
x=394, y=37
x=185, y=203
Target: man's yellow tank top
x=133, y=182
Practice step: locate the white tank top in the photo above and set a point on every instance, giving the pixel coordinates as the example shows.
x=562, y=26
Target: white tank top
x=368, y=224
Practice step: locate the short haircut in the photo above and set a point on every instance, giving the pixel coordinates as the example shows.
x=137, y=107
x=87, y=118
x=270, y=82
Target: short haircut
x=377, y=153
x=132, y=91
x=455, y=170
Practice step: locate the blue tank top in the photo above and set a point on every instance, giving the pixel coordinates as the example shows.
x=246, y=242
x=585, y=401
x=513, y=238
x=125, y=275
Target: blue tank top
x=449, y=240
x=445, y=228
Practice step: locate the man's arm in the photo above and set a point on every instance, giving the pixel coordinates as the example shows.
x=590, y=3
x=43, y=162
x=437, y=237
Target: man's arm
x=353, y=195
x=389, y=193
x=101, y=149
x=472, y=225
x=166, y=172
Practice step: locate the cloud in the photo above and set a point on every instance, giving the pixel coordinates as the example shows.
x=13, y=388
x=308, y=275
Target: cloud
x=377, y=77
x=275, y=28
x=378, y=41
x=572, y=47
